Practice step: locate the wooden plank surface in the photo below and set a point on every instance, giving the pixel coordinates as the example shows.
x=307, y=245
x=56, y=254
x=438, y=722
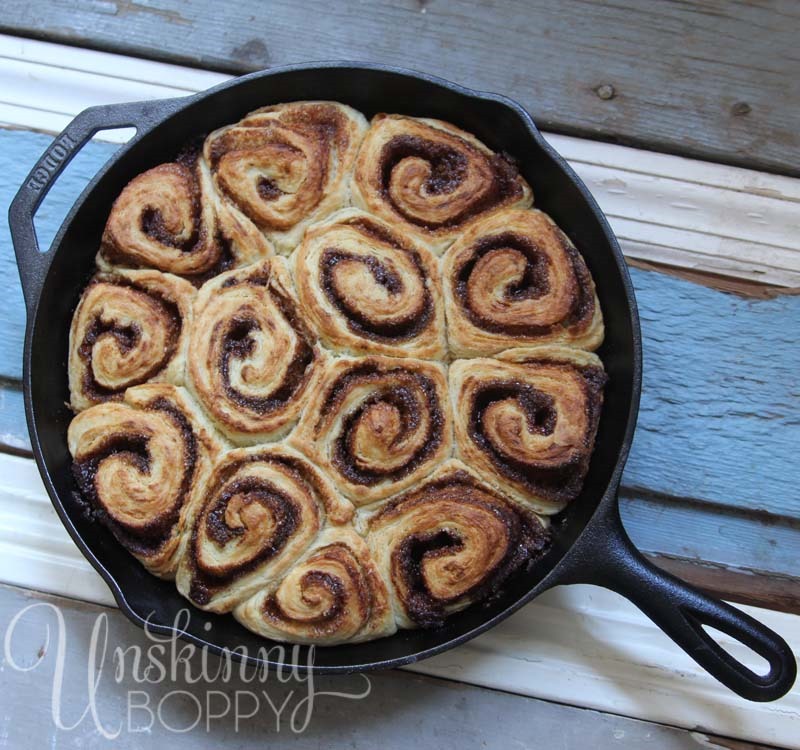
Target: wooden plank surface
x=442, y=713
x=727, y=227
x=719, y=80
x=574, y=645
x=712, y=473
x=693, y=215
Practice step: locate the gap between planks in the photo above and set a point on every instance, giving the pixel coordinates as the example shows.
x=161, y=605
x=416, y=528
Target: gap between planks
x=727, y=227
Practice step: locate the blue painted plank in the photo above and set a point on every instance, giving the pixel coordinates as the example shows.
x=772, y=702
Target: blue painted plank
x=712, y=534
x=718, y=423
x=19, y=150
x=13, y=430
x=720, y=412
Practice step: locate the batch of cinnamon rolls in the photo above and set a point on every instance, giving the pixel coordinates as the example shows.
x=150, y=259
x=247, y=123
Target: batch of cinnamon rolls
x=334, y=376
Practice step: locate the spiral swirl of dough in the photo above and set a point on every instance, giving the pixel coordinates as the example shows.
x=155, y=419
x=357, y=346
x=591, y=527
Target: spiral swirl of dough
x=367, y=289
x=515, y=279
x=377, y=424
x=252, y=357
x=139, y=464
x=129, y=328
x=334, y=376
x=448, y=543
x=287, y=165
x=334, y=594
x=527, y=421
x=258, y=512
x=432, y=178
x=168, y=218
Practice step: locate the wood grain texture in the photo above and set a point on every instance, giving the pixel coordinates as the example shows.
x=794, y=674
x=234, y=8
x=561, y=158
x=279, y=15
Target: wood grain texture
x=572, y=644
x=727, y=227
x=443, y=713
x=18, y=153
x=720, y=80
x=772, y=591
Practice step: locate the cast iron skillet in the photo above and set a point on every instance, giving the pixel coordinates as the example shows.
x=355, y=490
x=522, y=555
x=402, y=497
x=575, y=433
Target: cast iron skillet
x=590, y=544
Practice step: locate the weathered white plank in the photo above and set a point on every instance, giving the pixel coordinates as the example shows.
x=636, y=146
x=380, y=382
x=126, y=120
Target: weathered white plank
x=442, y=713
x=666, y=209
x=716, y=79
x=578, y=645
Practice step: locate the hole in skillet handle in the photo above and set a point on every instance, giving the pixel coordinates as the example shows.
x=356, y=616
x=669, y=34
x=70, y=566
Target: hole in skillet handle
x=605, y=556
x=33, y=264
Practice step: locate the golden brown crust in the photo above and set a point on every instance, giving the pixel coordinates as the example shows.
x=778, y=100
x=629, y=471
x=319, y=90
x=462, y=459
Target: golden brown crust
x=129, y=328
x=452, y=541
x=139, y=465
x=527, y=422
x=515, y=279
x=382, y=480
x=377, y=424
x=257, y=513
x=168, y=218
x=368, y=289
x=333, y=594
x=253, y=358
x=431, y=178
x=287, y=165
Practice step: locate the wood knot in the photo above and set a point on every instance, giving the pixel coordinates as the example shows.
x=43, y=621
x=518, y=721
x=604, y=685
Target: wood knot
x=740, y=109
x=605, y=91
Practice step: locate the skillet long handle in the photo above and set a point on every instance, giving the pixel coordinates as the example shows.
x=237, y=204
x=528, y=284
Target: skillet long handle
x=608, y=558
x=31, y=261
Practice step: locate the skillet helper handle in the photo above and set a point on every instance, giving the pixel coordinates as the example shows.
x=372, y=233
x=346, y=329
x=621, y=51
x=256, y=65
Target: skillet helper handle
x=681, y=611
x=31, y=261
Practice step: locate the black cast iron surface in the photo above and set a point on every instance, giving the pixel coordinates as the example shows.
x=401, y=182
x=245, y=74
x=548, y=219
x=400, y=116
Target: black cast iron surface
x=590, y=544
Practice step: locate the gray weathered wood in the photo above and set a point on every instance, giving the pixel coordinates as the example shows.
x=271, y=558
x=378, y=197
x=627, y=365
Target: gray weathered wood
x=401, y=708
x=720, y=80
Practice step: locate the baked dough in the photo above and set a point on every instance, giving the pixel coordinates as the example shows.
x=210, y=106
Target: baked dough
x=334, y=377
x=527, y=421
x=333, y=594
x=377, y=425
x=257, y=513
x=170, y=218
x=139, y=465
x=450, y=542
x=253, y=356
x=431, y=178
x=513, y=278
x=129, y=328
x=368, y=289
x=287, y=165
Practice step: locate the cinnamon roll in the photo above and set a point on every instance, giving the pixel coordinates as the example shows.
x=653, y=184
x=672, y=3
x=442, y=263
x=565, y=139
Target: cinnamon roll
x=333, y=594
x=287, y=165
x=368, y=289
x=335, y=377
x=169, y=218
x=253, y=358
x=515, y=279
x=451, y=542
x=377, y=424
x=432, y=178
x=129, y=328
x=138, y=465
x=527, y=421
x=258, y=512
